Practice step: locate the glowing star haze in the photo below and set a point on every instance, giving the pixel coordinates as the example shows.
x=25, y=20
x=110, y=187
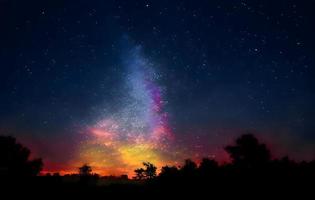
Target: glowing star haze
x=138, y=130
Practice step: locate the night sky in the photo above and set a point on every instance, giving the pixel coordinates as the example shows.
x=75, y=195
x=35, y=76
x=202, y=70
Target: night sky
x=114, y=83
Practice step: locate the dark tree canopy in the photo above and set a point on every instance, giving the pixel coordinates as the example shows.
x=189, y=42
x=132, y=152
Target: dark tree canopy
x=14, y=159
x=139, y=174
x=189, y=165
x=149, y=172
x=85, y=170
x=208, y=166
x=248, y=152
x=189, y=169
x=169, y=172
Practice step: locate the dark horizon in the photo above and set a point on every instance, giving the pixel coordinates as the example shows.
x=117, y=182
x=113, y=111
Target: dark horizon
x=250, y=173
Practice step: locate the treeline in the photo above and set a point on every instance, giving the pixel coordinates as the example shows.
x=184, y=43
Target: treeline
x=250, y=160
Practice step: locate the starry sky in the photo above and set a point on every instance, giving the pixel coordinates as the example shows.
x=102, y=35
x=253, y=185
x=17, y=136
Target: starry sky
x=114, y=83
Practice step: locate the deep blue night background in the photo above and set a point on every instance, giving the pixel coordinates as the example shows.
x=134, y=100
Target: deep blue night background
x=226, y=67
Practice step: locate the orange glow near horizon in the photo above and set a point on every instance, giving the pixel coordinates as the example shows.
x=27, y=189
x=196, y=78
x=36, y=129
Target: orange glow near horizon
x=137, y=131
x=108, y=155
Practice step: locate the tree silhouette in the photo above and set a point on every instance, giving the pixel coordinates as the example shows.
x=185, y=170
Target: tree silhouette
x=169, y=172
x=139, y=174
x=56, y=174
x=150, y=170
x=85, y=170
x=189, y=165
x=248, y=152
x=14, y=159
x=208, y=167
x=189, y=169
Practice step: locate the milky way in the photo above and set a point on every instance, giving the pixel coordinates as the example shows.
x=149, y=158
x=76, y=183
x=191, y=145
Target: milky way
x=138, y=130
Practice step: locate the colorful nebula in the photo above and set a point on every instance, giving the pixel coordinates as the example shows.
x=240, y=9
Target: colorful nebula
x=138, y=130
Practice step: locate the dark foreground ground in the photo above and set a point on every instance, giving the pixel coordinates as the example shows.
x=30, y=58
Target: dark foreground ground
x=249, y=187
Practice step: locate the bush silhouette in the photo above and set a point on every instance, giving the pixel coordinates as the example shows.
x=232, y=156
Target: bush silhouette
x=14, y=159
